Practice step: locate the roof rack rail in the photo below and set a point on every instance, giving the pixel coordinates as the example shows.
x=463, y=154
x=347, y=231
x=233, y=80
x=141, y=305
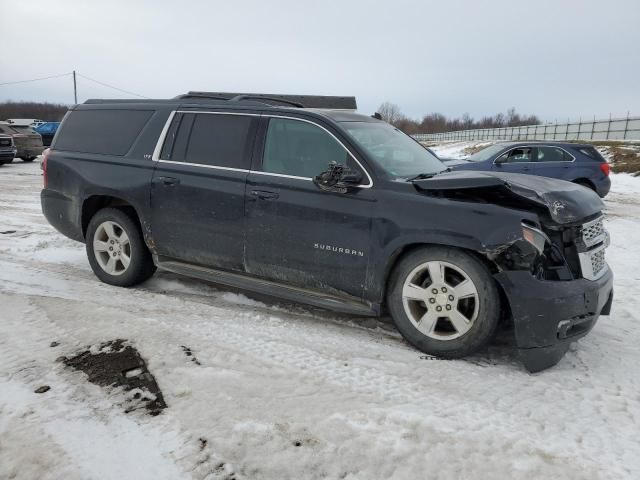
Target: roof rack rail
x=266, y=99
x=300, y=101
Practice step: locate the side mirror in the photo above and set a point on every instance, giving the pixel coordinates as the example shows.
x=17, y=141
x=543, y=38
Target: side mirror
x=337, y=178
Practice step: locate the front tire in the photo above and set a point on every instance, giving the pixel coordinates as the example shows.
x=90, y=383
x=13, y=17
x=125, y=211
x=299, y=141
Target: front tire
x=28, y=159
x=444, y=301
x=116, y=250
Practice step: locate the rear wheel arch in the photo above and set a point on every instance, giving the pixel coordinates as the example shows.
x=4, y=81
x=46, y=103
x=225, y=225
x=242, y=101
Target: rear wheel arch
x=585, y=182
x=95, y=203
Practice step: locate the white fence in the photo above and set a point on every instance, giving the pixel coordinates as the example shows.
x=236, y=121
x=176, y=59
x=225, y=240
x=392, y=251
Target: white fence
x=611, y=129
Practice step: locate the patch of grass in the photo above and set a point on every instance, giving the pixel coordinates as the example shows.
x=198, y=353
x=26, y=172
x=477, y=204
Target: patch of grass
x=625, y=160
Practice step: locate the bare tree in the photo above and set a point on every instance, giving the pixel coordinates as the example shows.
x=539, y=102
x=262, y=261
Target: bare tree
x=437, y=122
x=46, y=111
x=390, y=113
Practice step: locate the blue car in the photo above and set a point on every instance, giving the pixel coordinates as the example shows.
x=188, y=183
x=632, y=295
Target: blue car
x=574, y=162
x=47, y=130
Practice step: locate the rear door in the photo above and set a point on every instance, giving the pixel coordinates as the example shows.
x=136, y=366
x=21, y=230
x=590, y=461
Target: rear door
x=553, y=162
x=198, y=187
x=296, y=233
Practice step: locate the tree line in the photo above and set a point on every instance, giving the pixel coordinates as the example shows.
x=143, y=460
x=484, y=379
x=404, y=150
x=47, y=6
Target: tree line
x=51, y=112
x=438, y=123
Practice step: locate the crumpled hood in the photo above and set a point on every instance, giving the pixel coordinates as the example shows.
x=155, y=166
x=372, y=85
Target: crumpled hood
x=567, y=202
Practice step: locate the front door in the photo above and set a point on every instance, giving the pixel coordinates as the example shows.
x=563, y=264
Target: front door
x=198, y=189
x=296, y=233
x=516, y=160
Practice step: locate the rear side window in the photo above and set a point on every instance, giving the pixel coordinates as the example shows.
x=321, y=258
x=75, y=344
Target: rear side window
x=591, y=152
x=553, y=154
x=6, y=129
x=109, y=132
x=217, y=140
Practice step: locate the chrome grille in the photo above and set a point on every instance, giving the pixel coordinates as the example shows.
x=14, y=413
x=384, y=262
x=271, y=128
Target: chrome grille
x=597, y=262
x=593, y=232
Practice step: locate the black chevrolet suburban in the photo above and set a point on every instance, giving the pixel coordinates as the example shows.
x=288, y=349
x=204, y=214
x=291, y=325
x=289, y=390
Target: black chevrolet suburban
x=300, y=198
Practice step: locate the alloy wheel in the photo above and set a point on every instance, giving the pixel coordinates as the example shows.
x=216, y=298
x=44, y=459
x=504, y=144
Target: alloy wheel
x=112, y=248
x=440, y=300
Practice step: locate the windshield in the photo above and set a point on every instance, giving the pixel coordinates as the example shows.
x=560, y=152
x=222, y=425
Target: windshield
x=395, y=152
x=486, y=153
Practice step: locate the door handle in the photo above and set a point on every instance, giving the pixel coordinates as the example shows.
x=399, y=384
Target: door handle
x=264, y=194
x=168, y=181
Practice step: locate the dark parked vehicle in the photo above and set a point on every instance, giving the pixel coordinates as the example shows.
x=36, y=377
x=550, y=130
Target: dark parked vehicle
x=574, y=162
x=47, y=131
x=7, y=149
x=331, y=208
x=27, y=141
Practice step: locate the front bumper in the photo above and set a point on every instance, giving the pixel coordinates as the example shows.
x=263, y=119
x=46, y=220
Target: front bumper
x=549, y=315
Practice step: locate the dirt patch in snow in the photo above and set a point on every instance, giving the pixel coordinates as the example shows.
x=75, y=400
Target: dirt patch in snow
x=118, y=364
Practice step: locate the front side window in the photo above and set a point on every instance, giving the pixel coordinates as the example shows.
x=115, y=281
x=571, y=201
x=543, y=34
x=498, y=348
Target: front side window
x=518, y=155
x=552, y=154
x=217, y=140
x=300, y=149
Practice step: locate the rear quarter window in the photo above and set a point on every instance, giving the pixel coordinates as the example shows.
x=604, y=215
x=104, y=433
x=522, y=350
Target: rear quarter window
x=108, y=132
x=591, y=152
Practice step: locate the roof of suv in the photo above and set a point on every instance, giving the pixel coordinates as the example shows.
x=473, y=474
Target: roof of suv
x=554, y=143
x=338, y=109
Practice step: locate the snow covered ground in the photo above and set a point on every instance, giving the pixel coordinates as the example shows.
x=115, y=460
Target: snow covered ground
x=284, y=391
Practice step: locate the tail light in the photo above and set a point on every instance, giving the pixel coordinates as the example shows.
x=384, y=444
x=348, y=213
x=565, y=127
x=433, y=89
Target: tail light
x=45, y=158
x=605, y=169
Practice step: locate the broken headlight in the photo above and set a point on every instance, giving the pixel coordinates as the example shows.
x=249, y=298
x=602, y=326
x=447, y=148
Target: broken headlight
x=535, y=237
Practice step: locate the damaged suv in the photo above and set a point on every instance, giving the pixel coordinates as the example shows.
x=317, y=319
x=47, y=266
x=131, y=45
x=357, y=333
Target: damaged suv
x=300, y=198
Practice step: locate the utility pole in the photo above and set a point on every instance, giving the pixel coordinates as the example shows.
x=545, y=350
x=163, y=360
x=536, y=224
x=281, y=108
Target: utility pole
x=75, y=89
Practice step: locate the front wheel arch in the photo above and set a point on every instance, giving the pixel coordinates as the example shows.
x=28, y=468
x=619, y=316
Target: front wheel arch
x=487, y=302
x=401, y=252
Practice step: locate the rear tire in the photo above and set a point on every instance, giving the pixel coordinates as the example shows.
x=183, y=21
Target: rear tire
x=28, y=159
x=116, y=250
x=444, y=301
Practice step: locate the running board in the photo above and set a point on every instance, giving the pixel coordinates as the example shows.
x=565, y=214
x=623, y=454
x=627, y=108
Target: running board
x=287, y=292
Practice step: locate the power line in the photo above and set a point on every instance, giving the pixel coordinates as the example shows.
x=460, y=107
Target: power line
x=36, y=79
x=110, y=86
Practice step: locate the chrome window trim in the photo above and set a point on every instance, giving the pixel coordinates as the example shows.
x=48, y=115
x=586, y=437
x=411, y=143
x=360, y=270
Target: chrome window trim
x=156, y=151
x=158, y=148
x=369, y=185
x=536, y=146
x=215, y=167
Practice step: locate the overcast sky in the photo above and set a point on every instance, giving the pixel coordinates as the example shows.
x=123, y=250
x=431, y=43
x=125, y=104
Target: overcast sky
x=553, y=58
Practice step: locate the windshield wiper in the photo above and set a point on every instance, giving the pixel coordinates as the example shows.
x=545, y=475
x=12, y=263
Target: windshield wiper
x=423, y=176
